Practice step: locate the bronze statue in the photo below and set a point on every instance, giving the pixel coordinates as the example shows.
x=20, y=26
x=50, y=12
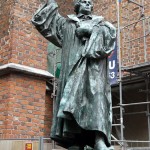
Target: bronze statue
x=83, y=107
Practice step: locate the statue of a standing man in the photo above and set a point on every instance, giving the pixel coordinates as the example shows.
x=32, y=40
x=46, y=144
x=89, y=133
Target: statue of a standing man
x=83, y=110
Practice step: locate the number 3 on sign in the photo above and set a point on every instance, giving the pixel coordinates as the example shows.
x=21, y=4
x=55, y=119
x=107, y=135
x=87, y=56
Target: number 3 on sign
x=112, y=75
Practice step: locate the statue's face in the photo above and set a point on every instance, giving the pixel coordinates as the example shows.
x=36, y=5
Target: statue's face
x=85, y=7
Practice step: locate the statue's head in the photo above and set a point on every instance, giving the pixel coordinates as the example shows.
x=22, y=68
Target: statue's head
x=83, y=6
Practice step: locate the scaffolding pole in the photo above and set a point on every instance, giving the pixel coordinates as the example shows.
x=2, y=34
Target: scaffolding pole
x=144, y=32
x=131, y=104
x=120, y=73
x=54, y=89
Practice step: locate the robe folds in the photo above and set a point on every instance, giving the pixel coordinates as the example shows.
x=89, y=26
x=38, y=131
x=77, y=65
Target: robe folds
x=83, y=104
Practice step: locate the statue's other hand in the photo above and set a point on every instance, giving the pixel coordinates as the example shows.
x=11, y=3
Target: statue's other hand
x=50, y=1
x=79, y=32
x=83, y=32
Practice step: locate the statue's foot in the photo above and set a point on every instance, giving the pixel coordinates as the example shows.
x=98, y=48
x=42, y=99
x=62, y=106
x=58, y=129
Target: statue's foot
x=100, y=145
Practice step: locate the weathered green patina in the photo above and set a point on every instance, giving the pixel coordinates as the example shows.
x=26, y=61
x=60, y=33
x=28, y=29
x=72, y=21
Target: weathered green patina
x=83, y=105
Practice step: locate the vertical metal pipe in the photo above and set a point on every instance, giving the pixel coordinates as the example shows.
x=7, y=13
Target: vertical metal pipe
x=120, y=72
x=54, y=88
x=41, y=146
x=144, y=33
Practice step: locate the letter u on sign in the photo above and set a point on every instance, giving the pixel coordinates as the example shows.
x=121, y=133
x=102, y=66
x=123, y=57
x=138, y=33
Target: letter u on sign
x=112, y=64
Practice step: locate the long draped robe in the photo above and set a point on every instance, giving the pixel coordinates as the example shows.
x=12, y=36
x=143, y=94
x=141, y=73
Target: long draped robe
x=83, y=104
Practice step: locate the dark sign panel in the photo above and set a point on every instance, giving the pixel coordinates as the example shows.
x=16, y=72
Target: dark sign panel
x=113, y=67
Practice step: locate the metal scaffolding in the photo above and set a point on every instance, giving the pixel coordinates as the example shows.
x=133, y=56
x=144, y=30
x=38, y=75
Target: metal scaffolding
x=129, y=41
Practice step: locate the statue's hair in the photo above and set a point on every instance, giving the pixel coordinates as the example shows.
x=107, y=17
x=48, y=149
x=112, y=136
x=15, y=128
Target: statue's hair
x=77, y=6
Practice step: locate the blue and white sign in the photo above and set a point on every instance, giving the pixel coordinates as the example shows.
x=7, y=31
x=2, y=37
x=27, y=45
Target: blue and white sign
x=113, y=67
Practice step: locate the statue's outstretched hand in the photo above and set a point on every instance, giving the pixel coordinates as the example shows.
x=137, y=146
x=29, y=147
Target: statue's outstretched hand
x=50, y=1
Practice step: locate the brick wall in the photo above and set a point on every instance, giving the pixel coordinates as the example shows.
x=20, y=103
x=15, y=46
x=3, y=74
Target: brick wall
x=23, y=109
x=5, y=29
x=24, y=105
x=48, y=114
x=132, y=36
x=20, y=42
x=28, y=47
x=4, y=102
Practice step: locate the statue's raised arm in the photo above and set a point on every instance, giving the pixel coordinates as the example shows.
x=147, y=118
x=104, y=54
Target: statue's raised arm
x=49, y=22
